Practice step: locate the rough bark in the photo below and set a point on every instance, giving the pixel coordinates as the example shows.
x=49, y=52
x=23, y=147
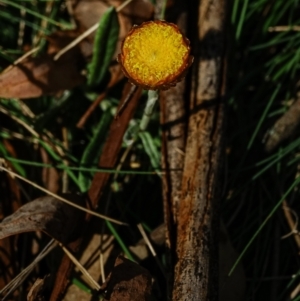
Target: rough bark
x=173, y=105
x=174, y=123
x=196, y=270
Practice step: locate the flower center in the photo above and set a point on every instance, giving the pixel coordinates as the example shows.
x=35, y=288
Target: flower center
x=154, y=53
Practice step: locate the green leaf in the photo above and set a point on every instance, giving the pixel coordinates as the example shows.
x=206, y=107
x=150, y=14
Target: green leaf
x=119, y=240
x=104, y=46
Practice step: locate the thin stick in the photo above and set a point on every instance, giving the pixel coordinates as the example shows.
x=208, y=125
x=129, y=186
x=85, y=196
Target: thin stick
x=93, y=283
x=122, y=160
x=90, y=110
x=21, y=122
x=85, y=34
x=76, y=41
x=102, y=267
x=19, y=279
x=24, y=56
x=65, y=179
x=21, y=28
x=34, y=133
x=284, y=28
x=120, y=7
x=20, y=59
x=62, y=199
x=126, y=100
x=295, y=292
x=148, y=243
x=115, y=78
x=292, y=224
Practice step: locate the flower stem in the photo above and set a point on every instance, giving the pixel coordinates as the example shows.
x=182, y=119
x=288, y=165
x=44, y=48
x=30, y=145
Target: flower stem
x=152, y=99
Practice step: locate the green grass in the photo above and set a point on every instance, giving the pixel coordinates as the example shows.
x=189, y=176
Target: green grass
x=263, y=77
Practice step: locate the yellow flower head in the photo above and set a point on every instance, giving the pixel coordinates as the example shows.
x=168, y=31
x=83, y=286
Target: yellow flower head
x=155, y=55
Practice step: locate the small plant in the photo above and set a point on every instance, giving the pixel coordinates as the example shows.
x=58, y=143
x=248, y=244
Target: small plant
x=155, y=55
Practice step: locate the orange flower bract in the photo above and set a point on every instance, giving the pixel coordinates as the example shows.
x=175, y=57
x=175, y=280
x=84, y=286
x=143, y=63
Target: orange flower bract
x=155, y=55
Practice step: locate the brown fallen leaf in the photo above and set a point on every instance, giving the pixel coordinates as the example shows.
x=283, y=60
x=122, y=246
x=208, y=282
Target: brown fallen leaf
x=127, y=282
x=36, y=76
x=59, y=39
x=88, y=12
x=10, y=201
x=47, y=214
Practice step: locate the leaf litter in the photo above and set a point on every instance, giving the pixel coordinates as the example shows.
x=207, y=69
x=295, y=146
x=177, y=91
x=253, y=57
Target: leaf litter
x=37, y=76
x=127, y=282
x=47, y=214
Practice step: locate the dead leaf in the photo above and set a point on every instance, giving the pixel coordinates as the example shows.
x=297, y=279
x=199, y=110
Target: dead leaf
x=127, y=282
x=60, y=39
x=46, y=214
x=10, y=201
x=38, y=76
x=36, y=291
x=88, y=12
x=285, y=127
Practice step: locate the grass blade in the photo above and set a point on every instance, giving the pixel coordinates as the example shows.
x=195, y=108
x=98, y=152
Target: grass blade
x=290, y=189
x=263, y=116
x=104, y=47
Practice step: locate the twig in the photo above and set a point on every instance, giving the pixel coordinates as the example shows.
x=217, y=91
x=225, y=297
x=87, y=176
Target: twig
x=44, y=22
x=295, y=292
x=85, y=34
x=102, y=267
x=61, y=198
x=24, y=56
x=19, y=279
x=21, y=28
x=284, y=28
x=21, y=122
x=85, y=273
x=65, y=179
x=148, y=243
x=20, y=59
x=126, y=100
x=76, y=41
x=292, y=224
x=35, y=133
x=115, y=78
x=80, y=124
